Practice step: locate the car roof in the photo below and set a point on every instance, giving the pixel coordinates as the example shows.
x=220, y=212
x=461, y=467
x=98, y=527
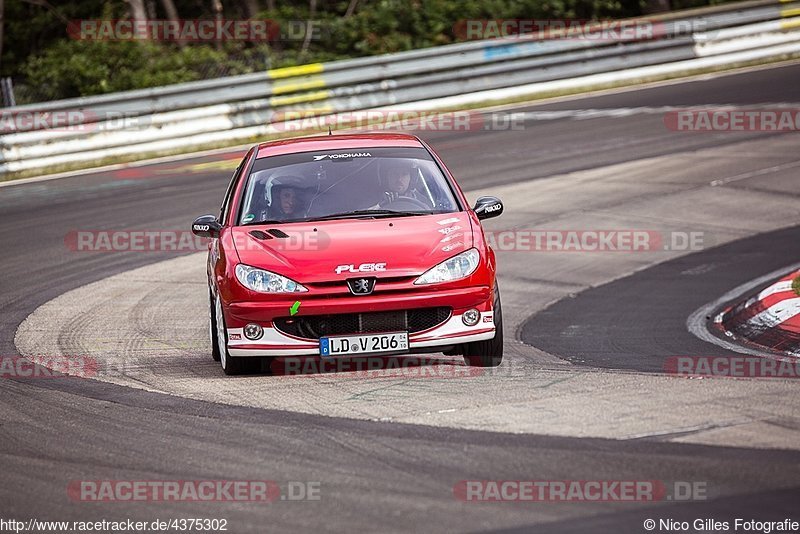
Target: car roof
x=336, y=142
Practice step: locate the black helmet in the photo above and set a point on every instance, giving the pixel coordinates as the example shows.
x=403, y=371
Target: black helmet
x=385, y=165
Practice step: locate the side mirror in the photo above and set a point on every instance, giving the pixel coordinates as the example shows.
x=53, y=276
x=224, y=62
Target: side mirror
x=206, y=226
x=488, y=207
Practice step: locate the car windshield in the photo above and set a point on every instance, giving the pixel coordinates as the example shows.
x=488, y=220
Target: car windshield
x=332, y=184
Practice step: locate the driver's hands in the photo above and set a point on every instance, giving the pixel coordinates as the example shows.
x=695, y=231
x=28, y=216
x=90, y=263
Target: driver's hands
x=388, y=198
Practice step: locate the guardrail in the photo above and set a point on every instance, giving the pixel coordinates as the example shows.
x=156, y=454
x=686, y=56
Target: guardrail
x=183, y=116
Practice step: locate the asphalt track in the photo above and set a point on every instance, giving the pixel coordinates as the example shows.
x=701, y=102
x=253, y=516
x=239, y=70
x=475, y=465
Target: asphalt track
x=645, y=331
x=386, y=476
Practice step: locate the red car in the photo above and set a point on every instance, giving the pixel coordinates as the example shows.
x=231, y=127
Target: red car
x=350, y=245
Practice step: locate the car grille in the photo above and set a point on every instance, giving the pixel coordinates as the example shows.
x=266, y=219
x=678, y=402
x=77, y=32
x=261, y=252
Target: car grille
x=317, y=326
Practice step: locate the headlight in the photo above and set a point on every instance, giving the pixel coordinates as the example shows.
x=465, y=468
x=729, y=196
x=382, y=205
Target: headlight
x=266, y=282
x=455, y=268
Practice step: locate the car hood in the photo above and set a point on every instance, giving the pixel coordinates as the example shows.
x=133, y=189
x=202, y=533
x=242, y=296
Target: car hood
x=311, y=251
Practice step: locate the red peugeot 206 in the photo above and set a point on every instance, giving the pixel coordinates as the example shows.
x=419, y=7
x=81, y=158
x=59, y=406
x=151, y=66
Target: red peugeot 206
x=350, y=245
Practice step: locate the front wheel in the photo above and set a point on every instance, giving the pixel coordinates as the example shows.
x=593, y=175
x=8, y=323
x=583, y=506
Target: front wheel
x=489, y=352
x=230, y=364
x=212, y=314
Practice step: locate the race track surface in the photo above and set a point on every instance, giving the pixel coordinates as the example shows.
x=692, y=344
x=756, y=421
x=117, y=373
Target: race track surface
x=648, y=321
x=579, y=397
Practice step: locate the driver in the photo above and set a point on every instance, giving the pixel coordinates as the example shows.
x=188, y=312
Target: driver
x=286, y=197
x=397, y=180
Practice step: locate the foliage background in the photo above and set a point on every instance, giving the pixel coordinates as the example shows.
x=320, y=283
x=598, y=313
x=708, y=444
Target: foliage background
x=45, y=64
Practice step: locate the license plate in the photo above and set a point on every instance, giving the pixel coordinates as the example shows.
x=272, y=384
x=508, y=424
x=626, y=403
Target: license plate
x=367, y=344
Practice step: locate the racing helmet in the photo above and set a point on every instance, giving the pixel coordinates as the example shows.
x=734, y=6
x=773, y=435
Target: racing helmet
x=298, y=184
x=388, y=166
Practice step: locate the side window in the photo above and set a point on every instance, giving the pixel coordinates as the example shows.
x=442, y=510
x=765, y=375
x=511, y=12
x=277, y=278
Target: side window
x=223, y=212
x=226, y=203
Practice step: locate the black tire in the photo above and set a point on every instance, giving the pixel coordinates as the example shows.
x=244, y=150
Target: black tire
x=230, y=364
x=213, y=329
x=489, y=352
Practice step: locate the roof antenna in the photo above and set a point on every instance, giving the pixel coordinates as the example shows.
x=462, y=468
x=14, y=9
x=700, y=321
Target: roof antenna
x=329, y=130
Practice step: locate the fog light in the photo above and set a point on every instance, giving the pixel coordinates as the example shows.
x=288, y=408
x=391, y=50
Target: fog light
x=253, y=331
x=471, y=317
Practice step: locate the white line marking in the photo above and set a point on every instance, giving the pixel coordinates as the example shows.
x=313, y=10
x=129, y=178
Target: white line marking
x=593, y=113
x=696, y=322
x=753, y=174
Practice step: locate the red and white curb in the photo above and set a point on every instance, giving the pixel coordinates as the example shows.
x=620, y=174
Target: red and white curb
x=770, y=319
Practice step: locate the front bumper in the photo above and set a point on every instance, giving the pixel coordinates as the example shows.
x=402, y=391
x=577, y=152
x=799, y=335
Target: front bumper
x=277, y=343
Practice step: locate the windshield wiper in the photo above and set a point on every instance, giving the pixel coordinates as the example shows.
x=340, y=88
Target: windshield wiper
x=368, y=213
